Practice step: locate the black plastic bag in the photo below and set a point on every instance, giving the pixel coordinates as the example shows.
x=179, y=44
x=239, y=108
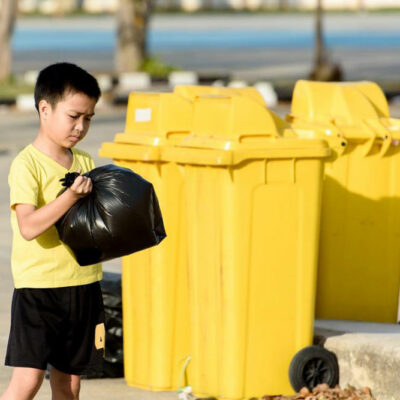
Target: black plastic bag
x=119, y=217
x=113, y=366
x=113, y=363
x=111, y=290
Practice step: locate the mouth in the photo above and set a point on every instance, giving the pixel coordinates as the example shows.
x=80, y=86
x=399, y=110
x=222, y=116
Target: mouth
x=74, y=138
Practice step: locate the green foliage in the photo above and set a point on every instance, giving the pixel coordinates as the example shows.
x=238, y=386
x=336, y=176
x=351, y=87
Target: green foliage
x=11, y=87
x=155, y=67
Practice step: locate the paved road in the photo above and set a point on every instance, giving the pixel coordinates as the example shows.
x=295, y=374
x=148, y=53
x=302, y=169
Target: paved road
x=259, y=46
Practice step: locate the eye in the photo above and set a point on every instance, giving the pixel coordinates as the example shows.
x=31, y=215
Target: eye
x=88, y=119
x=73, y=116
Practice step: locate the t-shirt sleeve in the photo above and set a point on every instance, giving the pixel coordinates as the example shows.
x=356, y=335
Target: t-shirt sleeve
x=23, y=184
x=91, y=164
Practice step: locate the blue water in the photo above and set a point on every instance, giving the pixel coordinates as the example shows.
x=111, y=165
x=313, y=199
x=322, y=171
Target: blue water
x=159, y=40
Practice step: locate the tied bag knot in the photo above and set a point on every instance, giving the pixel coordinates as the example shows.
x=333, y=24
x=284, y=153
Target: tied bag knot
x=69, y=179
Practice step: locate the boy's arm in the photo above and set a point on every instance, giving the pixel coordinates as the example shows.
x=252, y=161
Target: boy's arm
x=33, y=222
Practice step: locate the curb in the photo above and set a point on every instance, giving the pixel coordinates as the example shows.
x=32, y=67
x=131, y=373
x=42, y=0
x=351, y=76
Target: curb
x=116, y=88
x=368, y=354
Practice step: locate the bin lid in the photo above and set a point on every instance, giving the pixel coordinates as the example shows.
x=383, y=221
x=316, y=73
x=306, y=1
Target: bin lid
x=156, y=119
x=230, y=129
x=223, y=122
x=346, y=102
x=352, y=110
x=192, y=91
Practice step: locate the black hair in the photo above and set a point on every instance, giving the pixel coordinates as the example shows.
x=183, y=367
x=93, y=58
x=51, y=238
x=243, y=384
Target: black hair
x=57, y=80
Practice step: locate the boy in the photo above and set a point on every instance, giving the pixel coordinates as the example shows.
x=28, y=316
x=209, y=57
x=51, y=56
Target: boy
x=57, y=315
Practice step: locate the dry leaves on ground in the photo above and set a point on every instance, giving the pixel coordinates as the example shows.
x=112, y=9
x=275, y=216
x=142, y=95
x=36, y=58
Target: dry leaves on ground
x=324, y=392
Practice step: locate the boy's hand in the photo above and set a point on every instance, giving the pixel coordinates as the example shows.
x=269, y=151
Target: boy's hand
x=34, y=221
x=81, y=187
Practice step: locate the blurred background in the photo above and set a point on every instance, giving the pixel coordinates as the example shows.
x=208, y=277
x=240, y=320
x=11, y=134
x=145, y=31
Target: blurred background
x=218, y=41
x=152, y=45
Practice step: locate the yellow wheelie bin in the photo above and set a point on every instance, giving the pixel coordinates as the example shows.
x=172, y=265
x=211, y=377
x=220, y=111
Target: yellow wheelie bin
x=359, y=255
x=252, y=213
x=154, y=281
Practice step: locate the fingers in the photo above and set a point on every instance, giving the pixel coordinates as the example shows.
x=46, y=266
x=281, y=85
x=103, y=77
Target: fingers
x=82, y=185
x=88, y=185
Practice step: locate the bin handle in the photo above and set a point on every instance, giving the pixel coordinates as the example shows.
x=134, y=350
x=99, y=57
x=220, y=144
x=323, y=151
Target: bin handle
x=387, y=141
x=257, y=136
x=339, y=135
x=171, y=134
x=378, y=131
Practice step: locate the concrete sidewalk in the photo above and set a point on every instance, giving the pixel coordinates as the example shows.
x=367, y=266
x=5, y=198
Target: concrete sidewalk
x=368, y=354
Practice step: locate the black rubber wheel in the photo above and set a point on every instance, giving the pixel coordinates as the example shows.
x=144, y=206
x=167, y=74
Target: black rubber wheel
x=313, y=365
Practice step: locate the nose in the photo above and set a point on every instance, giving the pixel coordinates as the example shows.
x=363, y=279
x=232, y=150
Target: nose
x=79, y=126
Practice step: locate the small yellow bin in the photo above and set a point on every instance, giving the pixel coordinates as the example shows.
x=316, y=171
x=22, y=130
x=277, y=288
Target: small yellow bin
x=154, y=281
x=252, y=213
x=359, y=257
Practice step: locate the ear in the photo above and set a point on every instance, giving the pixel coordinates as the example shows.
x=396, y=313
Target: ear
x=44, y=108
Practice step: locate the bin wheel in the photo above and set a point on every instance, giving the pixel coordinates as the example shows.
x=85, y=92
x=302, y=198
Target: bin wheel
x=313, y=365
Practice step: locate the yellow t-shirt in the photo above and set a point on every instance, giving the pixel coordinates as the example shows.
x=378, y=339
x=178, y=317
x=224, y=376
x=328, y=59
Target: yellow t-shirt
x=44, y=262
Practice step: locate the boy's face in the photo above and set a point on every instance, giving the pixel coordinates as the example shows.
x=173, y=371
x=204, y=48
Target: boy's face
x=68, y=121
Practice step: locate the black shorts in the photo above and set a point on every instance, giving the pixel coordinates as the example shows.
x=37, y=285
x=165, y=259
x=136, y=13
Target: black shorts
x=63, y=327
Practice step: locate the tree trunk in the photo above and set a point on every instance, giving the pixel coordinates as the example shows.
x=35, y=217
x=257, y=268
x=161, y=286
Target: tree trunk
x=323, y=69
x=79, y=5
x=283, y=5
x=133, y=17
x=319, y=44
x=8, y=14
